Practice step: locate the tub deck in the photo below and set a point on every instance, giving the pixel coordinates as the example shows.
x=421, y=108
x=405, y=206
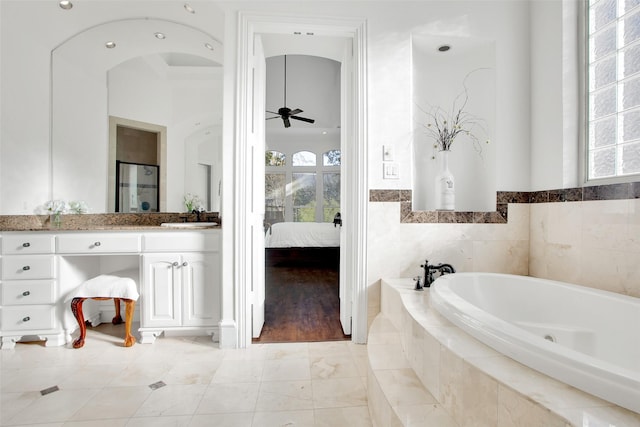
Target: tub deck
x=460, y=379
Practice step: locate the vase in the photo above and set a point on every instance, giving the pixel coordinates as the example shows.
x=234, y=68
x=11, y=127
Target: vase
x=55, y=220
x=445, y=188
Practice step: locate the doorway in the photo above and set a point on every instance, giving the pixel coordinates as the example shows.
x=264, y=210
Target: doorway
x=302, y=197
x=145, y=144
x=249, y=152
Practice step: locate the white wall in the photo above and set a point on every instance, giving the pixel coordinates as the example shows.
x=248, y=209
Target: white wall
x=554, y=81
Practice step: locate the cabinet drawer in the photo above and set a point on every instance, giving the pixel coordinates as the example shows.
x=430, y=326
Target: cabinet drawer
x=22, y=292
x=28, y=317
x=173, y=241
x=98, y=243
x=28, y=267
x=26, y=243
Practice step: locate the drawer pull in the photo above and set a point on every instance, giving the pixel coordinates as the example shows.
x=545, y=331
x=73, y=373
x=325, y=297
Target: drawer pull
x=26, y=245
x=96, y=244
x=26, y=319
x=175, y=264
x=184, y=264
x=26, y=268
x=26, y=293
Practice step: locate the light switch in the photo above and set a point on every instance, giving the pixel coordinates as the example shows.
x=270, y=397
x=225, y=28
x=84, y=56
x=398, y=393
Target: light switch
x=390, y=171
x=387, y=153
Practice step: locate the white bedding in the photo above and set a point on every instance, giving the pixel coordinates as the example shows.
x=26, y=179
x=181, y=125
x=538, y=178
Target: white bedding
x=302, y=235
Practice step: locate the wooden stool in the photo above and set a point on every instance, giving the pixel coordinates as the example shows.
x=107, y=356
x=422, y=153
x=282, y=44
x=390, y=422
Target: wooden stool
x=119, y=286
x=130, y=305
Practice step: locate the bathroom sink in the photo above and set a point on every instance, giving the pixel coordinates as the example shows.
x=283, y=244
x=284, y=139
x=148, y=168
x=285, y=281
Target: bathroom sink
x=189, y=224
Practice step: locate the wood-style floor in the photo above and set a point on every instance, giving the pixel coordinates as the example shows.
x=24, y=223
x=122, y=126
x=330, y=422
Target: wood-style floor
x=301, y=303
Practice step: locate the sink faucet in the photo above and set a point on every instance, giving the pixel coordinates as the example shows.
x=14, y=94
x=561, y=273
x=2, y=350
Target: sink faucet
x=430, y=270
x=197, y=212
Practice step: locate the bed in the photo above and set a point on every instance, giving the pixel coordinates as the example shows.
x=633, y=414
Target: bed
x=302, y=243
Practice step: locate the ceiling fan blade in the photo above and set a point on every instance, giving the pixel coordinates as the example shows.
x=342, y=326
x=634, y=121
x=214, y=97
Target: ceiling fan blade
x=272, y=112
x=275, y=117
x=296, y=111
x=286, y=121
x=303, y=119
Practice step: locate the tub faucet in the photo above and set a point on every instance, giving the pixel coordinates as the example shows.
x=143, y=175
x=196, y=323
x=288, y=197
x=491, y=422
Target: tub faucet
x=430, y=270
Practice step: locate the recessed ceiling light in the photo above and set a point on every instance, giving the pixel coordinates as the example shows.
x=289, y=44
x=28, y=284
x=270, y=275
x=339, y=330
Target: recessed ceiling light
x=160, y=36
x=110, y=45
x=65, y=4
x=324, y=132
x=208, y=46
x=188, y=8
x=444, y=48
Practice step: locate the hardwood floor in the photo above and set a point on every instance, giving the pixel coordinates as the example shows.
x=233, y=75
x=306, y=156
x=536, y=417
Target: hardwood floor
x=302, y=303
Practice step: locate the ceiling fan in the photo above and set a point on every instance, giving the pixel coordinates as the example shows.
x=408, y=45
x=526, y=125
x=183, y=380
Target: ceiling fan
x=286, y=113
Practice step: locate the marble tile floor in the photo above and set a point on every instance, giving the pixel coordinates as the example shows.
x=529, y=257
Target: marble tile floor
x=183, y=381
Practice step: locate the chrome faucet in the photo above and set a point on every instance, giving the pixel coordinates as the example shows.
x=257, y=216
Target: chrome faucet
x=430, y=270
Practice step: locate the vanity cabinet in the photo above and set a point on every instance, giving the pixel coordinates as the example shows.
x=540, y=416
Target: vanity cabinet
x=180, y=280
x=28, y=281
x=180, y=290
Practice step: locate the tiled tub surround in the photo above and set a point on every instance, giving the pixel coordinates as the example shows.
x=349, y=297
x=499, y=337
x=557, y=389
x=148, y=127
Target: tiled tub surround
x=98, y=221
x=589, y=236
x=448, y=378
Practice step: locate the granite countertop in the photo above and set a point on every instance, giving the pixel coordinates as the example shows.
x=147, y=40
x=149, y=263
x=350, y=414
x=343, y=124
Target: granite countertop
x=105, y=222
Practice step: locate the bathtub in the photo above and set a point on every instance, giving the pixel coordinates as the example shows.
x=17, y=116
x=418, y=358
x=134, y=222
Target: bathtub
x=584, y=337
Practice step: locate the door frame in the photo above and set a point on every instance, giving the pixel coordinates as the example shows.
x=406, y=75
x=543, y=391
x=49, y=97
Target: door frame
x=355, y=158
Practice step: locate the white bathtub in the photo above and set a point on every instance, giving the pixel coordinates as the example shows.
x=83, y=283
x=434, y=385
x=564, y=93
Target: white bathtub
x=584, y=337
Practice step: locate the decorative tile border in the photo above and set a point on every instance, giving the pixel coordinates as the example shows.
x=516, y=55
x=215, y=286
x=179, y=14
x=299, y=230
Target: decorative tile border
x=629, y=190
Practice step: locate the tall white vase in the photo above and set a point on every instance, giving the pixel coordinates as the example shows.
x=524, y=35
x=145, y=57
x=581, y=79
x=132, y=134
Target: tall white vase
x=445, y=184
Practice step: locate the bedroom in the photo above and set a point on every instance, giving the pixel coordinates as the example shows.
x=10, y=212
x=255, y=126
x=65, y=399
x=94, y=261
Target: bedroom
x=302, y=199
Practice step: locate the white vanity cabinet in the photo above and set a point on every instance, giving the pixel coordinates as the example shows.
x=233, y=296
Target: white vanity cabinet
x=180, y=283
x=180, y=280
x=29, y=289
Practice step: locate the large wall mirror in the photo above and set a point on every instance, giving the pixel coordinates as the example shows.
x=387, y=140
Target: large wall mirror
x=134, y=75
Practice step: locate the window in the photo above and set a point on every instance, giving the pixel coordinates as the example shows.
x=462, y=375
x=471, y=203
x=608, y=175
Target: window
x=274, y=158
x=613, y=88
x=274, y=192
x=303, y=191
x=304, y=197
x=304, y=158
x=330, y=195
x=331, y=158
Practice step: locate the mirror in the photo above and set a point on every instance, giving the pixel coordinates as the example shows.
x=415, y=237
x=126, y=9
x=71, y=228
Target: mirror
x=159, y=75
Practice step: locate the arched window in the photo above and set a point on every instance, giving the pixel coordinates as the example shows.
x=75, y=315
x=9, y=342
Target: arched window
x=274, y=158
x=303, y=158
x=331, y=158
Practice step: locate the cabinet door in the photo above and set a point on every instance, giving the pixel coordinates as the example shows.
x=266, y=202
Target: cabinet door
x=199, y=280
x=161, y=291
